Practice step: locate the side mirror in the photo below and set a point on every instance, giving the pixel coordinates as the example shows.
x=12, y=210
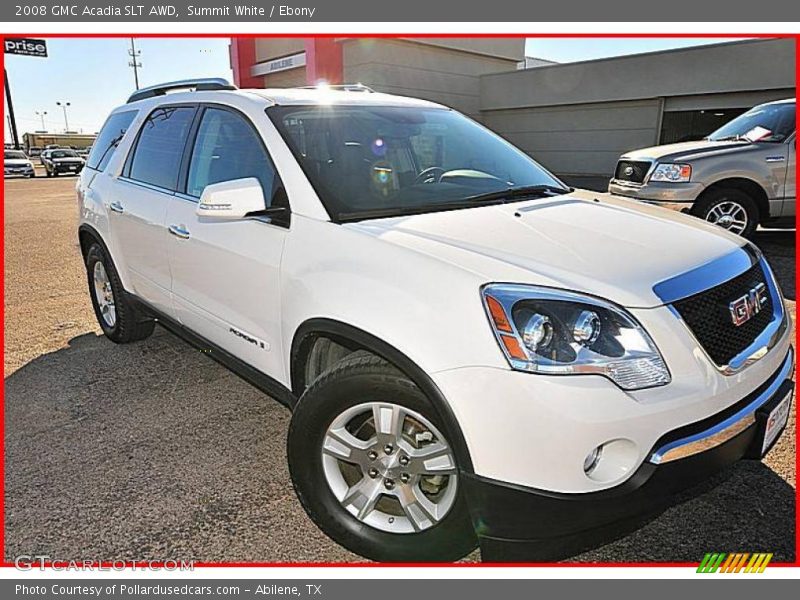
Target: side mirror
x=231, y=199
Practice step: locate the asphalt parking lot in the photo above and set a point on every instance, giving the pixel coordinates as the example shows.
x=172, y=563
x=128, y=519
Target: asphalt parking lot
x=154, y=451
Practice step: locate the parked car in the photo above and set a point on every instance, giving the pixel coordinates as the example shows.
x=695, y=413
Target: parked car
x=17, y=163
x=62, y=160
x=739, y=177
x=35, y=152
x=470, y=351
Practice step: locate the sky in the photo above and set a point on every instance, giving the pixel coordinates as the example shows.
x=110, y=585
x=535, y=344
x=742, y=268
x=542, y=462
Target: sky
x=577, y=49
x=94, y=76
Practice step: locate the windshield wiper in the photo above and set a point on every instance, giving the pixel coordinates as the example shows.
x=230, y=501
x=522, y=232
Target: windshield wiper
x=488, y=199
x=404, y=211
x=731, y=138
x=525, y=191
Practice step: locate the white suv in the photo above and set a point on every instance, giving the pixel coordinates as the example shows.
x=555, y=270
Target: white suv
x=472, y=352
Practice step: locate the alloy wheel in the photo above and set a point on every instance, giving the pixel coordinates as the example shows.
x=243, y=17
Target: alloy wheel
x=728, y=215
x=104, y=294
x=389, y=467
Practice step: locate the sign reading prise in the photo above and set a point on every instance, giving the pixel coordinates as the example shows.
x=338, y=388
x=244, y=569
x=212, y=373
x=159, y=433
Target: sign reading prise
x=26, y=47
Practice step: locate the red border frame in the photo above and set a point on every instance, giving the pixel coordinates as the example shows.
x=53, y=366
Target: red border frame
x=108, y=565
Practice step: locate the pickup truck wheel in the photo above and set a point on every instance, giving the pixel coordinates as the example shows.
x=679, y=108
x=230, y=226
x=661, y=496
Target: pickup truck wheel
x=730, y=209
x=119, y=319
x=373, y=470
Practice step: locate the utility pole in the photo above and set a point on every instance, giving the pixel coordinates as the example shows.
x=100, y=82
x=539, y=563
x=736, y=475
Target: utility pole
x=12, y=119
x=64, y=106
x=134, y=61
x=42, y=114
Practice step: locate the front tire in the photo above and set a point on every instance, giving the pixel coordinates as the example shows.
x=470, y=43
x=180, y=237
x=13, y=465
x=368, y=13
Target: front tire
x=119, y=319
x=730, y=209
x=388, y=492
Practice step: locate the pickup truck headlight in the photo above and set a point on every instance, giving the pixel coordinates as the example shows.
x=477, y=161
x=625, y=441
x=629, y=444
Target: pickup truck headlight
x=673, y=173
x=543, y=330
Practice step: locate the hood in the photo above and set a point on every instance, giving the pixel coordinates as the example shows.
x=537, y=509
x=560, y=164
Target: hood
x=608, y=247
x=17, y=162
x=688, y=150
x=68, y=159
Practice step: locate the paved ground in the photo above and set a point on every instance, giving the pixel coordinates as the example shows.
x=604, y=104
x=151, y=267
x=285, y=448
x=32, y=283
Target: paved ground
x=152, y=450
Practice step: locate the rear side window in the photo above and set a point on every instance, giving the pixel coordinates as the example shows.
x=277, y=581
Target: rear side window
x=109, y=138
x=227, y=148
x=157, y=156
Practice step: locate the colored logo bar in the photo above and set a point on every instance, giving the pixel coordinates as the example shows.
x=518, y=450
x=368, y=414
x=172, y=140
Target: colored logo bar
x=738, y=562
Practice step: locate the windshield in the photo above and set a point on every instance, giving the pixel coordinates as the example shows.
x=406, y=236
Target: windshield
x=14, y=155
x=63, y=154
x=371, y=161
x=765, y=123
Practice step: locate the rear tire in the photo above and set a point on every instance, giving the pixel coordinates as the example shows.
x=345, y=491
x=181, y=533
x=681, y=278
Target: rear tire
x=121, y=321
x=388, y=528
x=729, y=208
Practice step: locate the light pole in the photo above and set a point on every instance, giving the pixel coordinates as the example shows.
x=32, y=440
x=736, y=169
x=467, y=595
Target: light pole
x=134, y=62
x=64, y=106
x=42, y=114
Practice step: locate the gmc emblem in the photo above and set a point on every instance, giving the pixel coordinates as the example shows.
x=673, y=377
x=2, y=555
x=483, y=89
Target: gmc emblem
x=742, y=309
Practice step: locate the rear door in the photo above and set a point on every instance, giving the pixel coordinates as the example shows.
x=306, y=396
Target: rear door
x=144, y=189
x=225, y=274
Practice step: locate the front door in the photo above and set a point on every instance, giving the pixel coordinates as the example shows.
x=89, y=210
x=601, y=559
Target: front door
x=790, y=199
x=226, y=274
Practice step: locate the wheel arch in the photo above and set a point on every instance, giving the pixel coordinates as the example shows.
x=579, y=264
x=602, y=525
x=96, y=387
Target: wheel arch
x=88, y=235
x=749, y=186
x=311, y=330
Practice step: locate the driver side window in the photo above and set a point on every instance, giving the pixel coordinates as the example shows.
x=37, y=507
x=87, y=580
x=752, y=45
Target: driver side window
x=227, y=147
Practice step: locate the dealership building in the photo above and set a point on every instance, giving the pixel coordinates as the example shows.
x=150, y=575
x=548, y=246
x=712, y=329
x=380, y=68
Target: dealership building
x=575, y=118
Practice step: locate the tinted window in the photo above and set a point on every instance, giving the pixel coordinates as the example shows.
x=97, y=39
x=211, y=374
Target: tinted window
x=157, y=157
x=367, y=159
x=109, y=138
x=227, y=147
x=15, y=155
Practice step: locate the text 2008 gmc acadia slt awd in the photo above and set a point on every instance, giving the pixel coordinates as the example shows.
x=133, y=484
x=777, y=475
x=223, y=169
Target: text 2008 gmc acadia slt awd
x=472, y=353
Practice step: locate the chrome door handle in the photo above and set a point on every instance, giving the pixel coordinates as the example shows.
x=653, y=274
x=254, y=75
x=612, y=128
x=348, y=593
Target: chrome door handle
x=116, y=207
x=773, y=159
x=179, y=231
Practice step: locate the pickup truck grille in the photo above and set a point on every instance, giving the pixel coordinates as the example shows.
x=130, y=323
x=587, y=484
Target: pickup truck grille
x=633, y=171
x=708, y=316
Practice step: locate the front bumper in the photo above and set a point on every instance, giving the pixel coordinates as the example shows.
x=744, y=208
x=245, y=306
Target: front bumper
x=518, y=522
x=68, y=168
x=18, y=171
x=676, y=196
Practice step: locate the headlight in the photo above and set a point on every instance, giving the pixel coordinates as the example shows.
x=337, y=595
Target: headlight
x=543, y=330
x=673, y=173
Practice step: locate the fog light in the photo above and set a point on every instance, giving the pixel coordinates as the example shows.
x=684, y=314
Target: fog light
x=590, y=462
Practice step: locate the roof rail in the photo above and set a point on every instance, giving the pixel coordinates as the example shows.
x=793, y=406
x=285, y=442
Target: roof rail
x=206, y=84
x=344, y=87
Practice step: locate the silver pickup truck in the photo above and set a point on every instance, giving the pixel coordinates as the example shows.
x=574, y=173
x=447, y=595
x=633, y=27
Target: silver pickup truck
x=739, y=177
